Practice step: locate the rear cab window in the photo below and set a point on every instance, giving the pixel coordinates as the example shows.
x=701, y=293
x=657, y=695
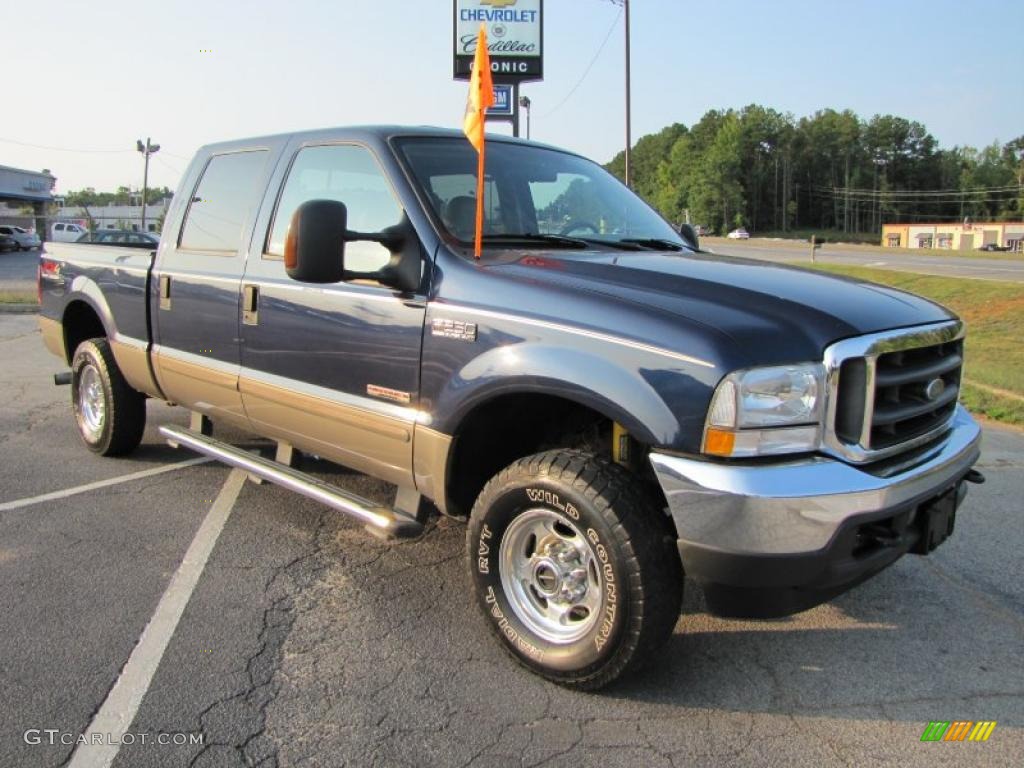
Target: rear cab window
x=222, y=201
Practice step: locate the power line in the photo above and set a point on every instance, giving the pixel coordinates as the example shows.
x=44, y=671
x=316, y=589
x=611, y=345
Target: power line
x=919, y=193
x=589, y=66
x=66, y=149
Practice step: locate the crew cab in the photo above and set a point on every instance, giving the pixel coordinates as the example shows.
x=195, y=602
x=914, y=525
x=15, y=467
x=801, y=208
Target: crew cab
x=609, y=407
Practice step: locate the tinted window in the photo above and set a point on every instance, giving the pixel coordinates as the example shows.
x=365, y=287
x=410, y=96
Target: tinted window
x=348, y=174
x=538, y=191
x=59, y=227
x=222, y=201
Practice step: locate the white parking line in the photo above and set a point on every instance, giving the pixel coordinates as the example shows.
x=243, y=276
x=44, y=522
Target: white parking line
x=118, y=711
x=19, y=503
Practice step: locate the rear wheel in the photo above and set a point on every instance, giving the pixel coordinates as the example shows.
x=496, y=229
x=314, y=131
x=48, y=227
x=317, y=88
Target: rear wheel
x=111, y=416
x=574, y=569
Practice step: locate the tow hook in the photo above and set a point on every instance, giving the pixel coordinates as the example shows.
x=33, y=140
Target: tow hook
x=974, y=476
x=62, y=379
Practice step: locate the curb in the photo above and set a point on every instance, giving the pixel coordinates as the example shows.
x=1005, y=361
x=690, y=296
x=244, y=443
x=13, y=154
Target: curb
x=19, y=309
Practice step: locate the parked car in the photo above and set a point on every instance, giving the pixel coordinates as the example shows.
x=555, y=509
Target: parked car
x=8, y=243
x=739, y=234
x=66, y=232
x=608, y=409
x=26, y=239
x=994, y=247
x=121, y=237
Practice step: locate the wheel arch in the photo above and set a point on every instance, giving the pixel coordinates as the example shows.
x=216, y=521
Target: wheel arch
x=511, y=425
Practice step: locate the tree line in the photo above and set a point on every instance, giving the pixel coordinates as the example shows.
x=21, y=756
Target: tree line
x=768, y=171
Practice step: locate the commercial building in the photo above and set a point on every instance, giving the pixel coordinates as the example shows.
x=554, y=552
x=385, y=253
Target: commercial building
x=962, y=236
x=114, y=216
x=28, y=192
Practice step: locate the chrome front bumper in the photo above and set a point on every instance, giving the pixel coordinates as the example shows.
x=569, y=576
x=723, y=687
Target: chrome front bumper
x=797, y=507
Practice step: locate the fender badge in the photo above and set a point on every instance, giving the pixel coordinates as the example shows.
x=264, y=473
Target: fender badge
x=453, y=329
x=394, y=395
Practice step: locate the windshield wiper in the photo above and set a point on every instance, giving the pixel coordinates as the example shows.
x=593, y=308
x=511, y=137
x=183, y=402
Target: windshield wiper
x=531, y=237
x=654, y=243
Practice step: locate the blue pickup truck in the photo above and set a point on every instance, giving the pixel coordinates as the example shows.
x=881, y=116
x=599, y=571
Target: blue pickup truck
x=607, y=405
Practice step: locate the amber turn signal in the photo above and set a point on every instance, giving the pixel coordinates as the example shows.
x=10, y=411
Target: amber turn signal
x=719, y=442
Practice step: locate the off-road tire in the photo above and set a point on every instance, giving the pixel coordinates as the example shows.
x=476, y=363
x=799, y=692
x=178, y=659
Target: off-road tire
x=631, y=539
x=119, y=429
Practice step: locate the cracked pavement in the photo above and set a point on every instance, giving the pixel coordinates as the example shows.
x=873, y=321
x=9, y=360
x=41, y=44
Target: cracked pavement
x=308, y=642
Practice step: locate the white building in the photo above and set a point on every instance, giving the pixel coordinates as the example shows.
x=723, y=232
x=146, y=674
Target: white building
x=115, y=216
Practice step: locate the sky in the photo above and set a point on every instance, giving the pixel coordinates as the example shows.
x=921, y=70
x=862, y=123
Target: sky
x=97, y=76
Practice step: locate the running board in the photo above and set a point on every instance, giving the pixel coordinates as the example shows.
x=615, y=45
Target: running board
x=378, y=519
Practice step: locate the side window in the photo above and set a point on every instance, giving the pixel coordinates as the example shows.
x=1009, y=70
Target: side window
x=58, y=228
x=351, y=175
x=222, y=201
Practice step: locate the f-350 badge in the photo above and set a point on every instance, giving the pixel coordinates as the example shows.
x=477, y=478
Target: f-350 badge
x=453, y=329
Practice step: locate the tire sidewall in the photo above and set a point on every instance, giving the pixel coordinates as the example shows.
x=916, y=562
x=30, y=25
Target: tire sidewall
x=497, y=510
x=85, y=355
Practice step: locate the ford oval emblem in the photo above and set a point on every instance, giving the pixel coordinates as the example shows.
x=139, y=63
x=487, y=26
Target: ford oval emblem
x=934, y=389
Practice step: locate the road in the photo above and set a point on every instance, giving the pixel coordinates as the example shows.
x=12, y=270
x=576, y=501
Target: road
x=18, y=270
x=307, y=642
x=1007, y=270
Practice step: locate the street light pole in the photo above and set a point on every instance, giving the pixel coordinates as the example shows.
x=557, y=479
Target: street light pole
x=146, y=149
x=524, y=102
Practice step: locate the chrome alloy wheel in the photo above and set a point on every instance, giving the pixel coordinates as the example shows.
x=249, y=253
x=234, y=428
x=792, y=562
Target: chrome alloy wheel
x=550, y=576
x=91, y=402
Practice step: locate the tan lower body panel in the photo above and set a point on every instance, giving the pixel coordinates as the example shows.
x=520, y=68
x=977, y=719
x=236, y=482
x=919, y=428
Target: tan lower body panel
x=133, y=360
x=430, y=465
x=53, y=337
x=208, y=390
x=373, y=443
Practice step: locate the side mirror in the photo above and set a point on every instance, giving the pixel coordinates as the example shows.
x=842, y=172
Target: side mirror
x=689, y=234
x=314, y=249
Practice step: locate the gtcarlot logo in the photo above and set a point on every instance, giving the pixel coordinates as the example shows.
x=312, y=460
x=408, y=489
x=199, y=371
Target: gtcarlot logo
x=958, y=730
x=54, y=736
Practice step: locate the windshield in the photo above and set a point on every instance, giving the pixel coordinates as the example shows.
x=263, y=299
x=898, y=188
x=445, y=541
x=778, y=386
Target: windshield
x=530, y=192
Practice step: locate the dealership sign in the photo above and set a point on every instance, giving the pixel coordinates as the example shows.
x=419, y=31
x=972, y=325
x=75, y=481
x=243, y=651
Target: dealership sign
x=515, y=37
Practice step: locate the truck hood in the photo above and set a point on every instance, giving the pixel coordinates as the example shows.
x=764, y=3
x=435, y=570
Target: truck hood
x=757, y=304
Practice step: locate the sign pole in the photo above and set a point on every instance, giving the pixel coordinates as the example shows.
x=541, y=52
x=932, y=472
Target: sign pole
x=515, y=110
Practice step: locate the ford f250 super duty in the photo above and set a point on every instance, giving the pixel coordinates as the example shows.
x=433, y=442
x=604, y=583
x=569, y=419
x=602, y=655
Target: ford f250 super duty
x=610, y=406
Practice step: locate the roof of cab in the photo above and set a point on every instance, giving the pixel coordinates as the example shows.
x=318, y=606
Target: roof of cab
x=363, y=132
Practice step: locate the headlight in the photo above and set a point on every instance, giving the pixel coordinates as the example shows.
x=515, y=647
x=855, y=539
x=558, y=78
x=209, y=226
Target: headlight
x=764, y=411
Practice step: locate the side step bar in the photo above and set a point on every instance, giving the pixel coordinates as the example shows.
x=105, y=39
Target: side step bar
x=378, y=519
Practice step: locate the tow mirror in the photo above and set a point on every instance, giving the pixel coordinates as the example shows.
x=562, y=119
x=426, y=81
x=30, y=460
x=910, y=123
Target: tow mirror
x=314, y=248
x=689, y=234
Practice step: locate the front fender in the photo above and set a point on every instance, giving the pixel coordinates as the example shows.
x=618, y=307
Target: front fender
x=644, y=399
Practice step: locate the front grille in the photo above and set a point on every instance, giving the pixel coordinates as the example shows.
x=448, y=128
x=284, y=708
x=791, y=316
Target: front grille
x=893, y=391
x=909, y=401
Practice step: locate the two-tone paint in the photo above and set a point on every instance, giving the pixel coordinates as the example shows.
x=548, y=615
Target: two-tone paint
x=355, y=371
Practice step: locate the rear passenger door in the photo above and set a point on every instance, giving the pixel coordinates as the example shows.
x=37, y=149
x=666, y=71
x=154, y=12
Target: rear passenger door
x=198, y=276
x=333, y=369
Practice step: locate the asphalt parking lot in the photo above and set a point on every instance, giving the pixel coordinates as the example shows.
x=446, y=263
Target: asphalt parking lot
x=307, y=642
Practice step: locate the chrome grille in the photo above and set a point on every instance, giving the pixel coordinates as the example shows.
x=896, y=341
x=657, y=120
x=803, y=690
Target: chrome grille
x=890, y=392
x=915, y=391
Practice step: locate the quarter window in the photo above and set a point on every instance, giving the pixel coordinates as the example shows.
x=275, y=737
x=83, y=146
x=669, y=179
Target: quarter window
x=351, y=175
x=221, y=204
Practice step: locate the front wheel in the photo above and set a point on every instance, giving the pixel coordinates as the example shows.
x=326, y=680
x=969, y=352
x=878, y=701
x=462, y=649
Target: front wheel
x=574, y=569
x=111, y=416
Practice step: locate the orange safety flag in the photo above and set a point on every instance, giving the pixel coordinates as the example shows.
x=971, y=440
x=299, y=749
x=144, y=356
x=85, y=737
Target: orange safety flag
x=481, y=96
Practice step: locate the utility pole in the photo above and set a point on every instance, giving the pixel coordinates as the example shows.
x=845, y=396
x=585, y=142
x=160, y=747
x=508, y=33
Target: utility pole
x=524, y=102
x=629, y=139
x=146, y=149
